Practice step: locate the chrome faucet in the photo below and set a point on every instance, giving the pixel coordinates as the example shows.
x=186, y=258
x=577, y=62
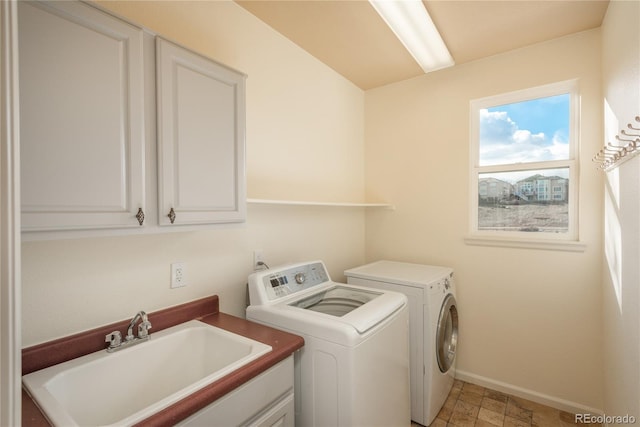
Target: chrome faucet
x=143, y=328
x=115, y=338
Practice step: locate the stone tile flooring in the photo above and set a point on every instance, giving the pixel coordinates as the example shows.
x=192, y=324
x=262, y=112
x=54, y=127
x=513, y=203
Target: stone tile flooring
x=470, y=405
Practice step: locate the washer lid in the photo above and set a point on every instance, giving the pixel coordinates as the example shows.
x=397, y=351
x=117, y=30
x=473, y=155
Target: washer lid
x=404, y=273
x=349, y=329
x=337, y=301
x=357, y=307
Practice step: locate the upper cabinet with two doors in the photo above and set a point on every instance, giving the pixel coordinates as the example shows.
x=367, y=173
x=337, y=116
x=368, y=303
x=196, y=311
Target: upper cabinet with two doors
x=87, y=118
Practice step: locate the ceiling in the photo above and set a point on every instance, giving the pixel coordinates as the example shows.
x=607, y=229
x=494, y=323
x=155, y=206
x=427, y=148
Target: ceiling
x=350, y=37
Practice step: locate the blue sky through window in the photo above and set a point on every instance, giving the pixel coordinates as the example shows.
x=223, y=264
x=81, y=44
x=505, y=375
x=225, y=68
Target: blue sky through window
x=527, y=131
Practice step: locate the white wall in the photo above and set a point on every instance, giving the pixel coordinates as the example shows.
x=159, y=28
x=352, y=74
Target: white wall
x=621, y=285
x=530, y=320
x=304, y=141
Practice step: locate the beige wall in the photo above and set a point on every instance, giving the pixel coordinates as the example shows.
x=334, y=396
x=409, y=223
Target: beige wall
x=304, y=141
x=531, y=320
x=621, y=293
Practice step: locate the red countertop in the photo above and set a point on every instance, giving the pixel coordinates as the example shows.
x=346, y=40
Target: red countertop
x=206, y=310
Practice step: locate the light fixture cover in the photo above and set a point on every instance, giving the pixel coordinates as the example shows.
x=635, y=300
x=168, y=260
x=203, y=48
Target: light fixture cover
x=411, y=23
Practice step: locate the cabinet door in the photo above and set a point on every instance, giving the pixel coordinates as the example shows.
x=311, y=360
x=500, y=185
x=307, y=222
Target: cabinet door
x=281, y=414
x=81, y=117
x=201, y=120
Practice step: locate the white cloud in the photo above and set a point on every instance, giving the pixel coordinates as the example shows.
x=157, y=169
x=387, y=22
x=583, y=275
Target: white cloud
x=503, y=142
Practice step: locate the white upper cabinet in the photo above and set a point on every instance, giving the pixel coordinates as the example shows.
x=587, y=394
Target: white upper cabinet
x=201, y=138
x=93, y=93
x=81, y=118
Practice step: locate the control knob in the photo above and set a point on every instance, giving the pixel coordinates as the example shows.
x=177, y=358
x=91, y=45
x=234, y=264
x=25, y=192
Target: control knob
x=300, y=278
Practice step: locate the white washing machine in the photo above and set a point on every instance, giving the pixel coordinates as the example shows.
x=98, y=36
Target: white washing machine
x=354, y=367
x=433, y=327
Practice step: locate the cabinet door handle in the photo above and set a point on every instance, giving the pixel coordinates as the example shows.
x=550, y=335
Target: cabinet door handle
x=140, y=216
x=172, y=215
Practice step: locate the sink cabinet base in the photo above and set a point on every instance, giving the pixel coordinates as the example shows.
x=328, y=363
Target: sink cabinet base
x=265, y=401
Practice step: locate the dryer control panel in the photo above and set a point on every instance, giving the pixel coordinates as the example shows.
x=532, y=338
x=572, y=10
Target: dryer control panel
x=292, y=279
x=442, y=286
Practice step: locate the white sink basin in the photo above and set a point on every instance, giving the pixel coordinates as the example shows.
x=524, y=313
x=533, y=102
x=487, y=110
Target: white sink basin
x=129, y=385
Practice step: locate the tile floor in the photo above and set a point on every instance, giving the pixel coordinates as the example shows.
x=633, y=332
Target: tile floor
x=472, y=405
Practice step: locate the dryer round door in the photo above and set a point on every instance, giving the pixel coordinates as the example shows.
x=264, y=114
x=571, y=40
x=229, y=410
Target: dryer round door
x=447, y=334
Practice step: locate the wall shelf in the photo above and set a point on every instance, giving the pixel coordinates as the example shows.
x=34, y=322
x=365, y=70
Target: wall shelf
x=318, y=203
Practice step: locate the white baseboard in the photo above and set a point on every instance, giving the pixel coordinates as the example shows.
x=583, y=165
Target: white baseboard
x=534, y=396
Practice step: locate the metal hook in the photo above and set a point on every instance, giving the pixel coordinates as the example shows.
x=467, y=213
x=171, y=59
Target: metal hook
x=616, y=154
x=597, y=160
x=625, y=140
x=630, y=126
x=602, y=155
x=614, y=150
x=603, y=163
x=609, y=144
x=627, y=148
x=624, y=132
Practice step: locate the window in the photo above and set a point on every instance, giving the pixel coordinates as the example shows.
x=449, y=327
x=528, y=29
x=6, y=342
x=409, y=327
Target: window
x=524, y=150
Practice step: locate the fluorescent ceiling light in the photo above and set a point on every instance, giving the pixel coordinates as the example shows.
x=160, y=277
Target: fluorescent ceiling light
x=412, y=24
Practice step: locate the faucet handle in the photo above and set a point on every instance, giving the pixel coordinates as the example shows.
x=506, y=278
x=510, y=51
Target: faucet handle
x=143, y=328
x=114, y=339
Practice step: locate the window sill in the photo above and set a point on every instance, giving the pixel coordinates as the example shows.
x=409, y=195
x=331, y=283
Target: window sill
x=506, y=242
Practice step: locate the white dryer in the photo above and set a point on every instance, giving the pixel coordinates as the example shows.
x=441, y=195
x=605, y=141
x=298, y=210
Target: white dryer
x=354, y=367
x=433, y=327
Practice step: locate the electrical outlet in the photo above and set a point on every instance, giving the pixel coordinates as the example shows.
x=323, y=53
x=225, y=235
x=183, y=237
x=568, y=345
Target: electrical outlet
x=178, y=275
x=258, y=259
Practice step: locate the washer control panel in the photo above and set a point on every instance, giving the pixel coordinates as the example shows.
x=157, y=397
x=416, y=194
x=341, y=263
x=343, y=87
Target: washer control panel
x=280, y=283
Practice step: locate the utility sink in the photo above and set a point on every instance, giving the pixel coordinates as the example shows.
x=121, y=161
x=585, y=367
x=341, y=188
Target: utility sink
x=127, y=386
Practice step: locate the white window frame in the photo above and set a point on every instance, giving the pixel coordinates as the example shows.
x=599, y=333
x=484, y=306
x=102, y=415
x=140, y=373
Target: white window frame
x=568, y=241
